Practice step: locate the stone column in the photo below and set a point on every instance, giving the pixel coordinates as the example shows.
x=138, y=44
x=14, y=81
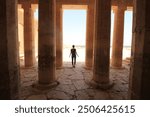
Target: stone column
x=89, y=35
x=117, y=46
x=20, y=30
x=46, y=43
x=59, y=36
x=29, y=43
x=139, y=83
x=102, y=44
x=9, y=54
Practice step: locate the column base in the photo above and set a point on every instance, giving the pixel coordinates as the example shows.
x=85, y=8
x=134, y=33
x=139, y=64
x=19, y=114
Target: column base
x=103, y=86
x=88, y=68
x=59, y=67
x=32, y=66
x=39, y=86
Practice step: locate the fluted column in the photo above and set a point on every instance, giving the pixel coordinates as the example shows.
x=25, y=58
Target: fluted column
x=102, y=44
x=46, y=43
x=117, y=46
x=9, y=53
x=29, y=43
x=139, y=82
x=59, y=36
x=89, y=35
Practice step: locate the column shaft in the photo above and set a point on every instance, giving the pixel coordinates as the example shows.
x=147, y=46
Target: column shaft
x=117, y=46
x=89, y=35
x=59, y=36
x=102, y=42
x=9, y=59
x=29, y=43
x=139, y=84
x=46, y=43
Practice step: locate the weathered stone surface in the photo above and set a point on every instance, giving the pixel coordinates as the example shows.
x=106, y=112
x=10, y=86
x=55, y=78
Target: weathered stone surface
x=89, y=35
x=63, y=76
x=140, y=58
x=90, y=92
x=118, y=96
x=82, y=95
x=66, y=88
x=59, y=35
x=37, y=97
x=58, y=95
x=46, y=40
x=25, y=92
x=80, y=84
x=118, y=34
x=29, y=75
x=75, y=88
x=29, y=48
x=9, y=64
x=69, y=71
x=102, y=42
x=65, y=81
x=100, y=95
x=76, y=77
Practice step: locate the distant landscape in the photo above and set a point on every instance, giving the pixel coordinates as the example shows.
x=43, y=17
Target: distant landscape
x=81, y=52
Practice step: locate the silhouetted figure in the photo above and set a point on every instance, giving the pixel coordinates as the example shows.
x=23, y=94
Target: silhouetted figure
x=73, y=54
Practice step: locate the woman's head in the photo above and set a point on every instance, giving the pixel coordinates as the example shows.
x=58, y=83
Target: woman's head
x=73, y=46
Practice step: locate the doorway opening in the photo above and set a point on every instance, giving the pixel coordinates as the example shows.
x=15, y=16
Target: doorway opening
x=127, y=38
x=127, y=34
x=74, y=33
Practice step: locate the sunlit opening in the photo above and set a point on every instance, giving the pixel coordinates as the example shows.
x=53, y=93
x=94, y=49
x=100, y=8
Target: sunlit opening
x=127, y=33
x=74, y=33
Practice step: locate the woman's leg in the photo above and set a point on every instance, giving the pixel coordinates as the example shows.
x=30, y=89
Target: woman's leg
x=72, y=61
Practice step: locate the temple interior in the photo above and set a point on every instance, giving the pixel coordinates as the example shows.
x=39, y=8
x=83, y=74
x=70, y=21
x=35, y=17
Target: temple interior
x=32, y=51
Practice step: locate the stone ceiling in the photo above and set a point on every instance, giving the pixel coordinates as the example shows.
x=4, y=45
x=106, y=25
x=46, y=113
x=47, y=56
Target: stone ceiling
x=128, y=3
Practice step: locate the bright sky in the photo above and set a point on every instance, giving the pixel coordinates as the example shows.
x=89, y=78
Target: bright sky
x=74, y=27
x=128, y=28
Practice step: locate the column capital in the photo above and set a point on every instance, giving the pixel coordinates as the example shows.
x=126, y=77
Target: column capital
x=26, y=6
x=34, y=7
x=119, y=8
x=19, y=6
x=114, y=8
x=122, y=7
x=29, y=6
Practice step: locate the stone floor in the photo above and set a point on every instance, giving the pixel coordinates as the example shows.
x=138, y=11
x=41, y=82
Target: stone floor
x=73, y=85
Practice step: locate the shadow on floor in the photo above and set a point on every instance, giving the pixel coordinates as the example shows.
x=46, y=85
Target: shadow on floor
x=73, y=86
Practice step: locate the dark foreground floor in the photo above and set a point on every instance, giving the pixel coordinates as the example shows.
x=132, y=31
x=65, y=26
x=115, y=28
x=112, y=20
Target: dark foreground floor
x=73, y=86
